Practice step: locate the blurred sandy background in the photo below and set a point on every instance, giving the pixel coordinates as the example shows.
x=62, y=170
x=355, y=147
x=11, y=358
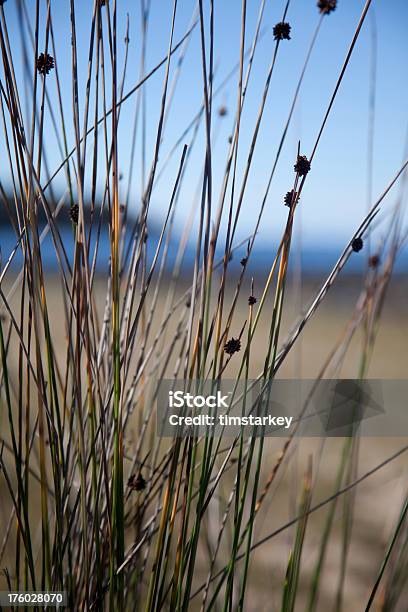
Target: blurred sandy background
x=378, y=499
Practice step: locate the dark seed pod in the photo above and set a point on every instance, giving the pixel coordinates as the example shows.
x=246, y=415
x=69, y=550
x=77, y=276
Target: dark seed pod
x=302, y=166
x=327, y=6
x=232, y=346
x=45, y=63
x=74, y=213
x=357, y=244
x=290, y=197
x=137, y=483
x=251, y=300
x=374, y=261
x=281, y=31
x=243, y=261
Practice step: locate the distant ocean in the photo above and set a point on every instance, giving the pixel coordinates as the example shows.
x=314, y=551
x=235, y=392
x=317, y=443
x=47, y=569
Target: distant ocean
x=311, y=260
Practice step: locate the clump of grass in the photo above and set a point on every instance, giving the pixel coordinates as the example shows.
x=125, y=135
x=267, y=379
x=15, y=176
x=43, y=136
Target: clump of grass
x=99, y=505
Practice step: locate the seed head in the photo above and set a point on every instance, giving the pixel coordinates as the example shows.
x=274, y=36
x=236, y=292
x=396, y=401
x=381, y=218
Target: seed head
x=137, y=483
x=74, y=213
x=374, y=261
x=45, y=63
x=251, y=300
x=243, y=261
x=290, y=197
x=302, y=166
x=223, y=111
x=232, y=346
x=357, y=244
x=281, y=31
x=327, y=6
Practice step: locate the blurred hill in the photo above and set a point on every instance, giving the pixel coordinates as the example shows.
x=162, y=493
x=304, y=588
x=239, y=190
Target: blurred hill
x=311, y=260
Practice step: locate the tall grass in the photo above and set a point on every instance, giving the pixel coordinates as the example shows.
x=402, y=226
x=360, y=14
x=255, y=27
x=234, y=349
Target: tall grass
x=95, y=503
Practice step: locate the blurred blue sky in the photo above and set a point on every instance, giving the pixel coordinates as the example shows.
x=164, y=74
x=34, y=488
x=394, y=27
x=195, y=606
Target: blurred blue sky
x=335, y=195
